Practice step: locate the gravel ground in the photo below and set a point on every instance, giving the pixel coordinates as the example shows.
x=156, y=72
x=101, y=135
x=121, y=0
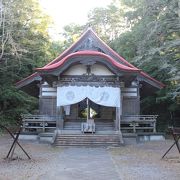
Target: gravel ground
x=130, y=162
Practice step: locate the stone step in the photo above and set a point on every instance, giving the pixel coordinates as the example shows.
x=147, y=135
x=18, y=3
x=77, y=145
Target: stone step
x=87, y=145
x=87, y=140
x=95, y=126
x=85, y=121
x=98, y=132
x=99, y=126
x=87, y=137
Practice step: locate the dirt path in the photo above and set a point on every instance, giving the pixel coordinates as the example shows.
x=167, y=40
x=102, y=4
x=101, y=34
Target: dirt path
x=83, y=163
x=143, y=161
x=131, y=162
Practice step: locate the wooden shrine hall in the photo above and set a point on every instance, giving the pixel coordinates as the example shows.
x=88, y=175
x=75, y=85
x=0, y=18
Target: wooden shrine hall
x=89, y=95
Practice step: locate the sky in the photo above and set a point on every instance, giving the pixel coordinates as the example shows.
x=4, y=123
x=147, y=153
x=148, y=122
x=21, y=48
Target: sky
x=64, y=12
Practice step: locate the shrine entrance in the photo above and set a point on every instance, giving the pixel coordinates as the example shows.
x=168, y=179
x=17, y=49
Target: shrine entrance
x=89, y=114
x=89, y=102
x=88, y=109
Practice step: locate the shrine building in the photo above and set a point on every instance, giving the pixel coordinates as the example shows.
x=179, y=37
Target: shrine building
x=89, y=95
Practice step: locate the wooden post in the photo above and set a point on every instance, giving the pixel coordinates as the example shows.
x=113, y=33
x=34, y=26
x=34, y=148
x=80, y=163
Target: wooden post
x=118, y=115
x=14, y=138
x=120, y=109
x=59, y=119
x=134, y=127
x=117, y=118
x=43, y=126
x=88, y=109
x=40, y=97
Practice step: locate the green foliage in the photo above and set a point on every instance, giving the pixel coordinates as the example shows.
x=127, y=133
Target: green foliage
x=125, y=45
x=71, y=33
x=13, y=103
x=109, y=22
x=25, y=45
x=153, y=46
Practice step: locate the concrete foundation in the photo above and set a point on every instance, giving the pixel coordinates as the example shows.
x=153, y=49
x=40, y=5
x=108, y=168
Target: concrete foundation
x=150, y=137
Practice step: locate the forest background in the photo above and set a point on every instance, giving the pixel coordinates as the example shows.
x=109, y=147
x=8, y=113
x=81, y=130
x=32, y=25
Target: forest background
x=146, y=33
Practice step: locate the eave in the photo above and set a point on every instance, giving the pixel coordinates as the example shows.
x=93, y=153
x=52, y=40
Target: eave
x=33, y=77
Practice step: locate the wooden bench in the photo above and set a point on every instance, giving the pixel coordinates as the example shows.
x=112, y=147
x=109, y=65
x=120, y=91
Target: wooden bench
x=136, y=123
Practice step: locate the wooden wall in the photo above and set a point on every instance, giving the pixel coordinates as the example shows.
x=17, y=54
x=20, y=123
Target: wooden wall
x=73, y=112
x=80, y=69
x=130, y=106
x=130, y=101
x=47, y=100
x=47, y=105
x=107, y=112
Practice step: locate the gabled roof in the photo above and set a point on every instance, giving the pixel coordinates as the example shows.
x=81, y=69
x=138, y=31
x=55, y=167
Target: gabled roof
x=88, y=40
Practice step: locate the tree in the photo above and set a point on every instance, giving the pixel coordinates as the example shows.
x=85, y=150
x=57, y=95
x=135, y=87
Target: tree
x=25, y=44
x=154, y=47
x=109, y=22
x=71, y=33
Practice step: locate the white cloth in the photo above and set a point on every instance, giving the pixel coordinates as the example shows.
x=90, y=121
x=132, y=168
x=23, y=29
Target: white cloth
x=106, y=96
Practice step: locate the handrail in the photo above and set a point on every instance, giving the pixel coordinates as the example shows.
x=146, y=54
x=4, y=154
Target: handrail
x=38, y=117
x=133, y=121
x=140, y=117
x=38, y=122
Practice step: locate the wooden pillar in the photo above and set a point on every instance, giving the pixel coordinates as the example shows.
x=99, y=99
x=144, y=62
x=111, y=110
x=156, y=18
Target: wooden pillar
x=88, y=109
x=117, y=118
x=40, y=98
x=118, y=114
x=138, y=99
x=59, y=119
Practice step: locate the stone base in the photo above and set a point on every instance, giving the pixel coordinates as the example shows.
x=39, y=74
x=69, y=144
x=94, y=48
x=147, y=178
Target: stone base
x=150, y=137
x=28, y=137
x=46, y=138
